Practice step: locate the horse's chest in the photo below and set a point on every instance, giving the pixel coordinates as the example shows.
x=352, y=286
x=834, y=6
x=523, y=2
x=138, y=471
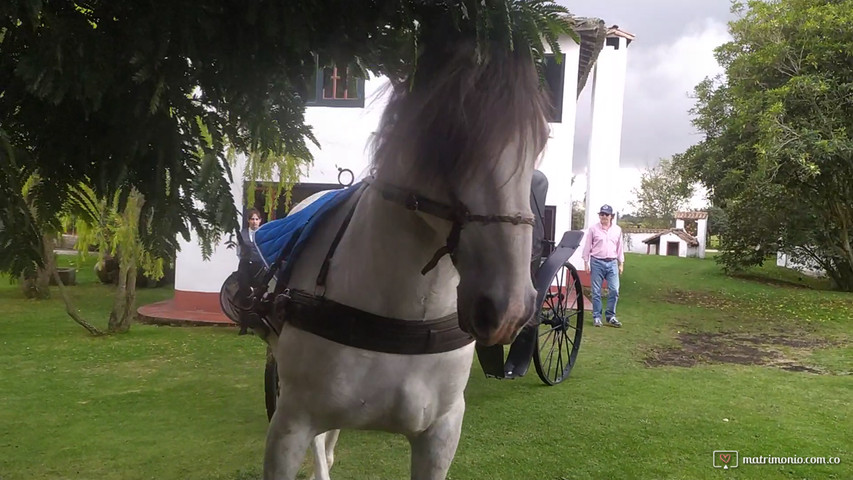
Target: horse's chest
x=354, y=388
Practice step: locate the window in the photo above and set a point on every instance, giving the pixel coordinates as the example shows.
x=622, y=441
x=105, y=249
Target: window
x=554, y=80
x=335, y=86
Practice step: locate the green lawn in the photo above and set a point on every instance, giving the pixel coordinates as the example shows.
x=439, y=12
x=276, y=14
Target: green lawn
x=187, y=403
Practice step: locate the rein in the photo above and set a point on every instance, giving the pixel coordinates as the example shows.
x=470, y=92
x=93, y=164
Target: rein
x=457, y=213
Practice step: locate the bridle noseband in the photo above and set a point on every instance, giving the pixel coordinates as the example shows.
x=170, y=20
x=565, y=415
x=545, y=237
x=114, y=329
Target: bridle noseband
x=457, y=213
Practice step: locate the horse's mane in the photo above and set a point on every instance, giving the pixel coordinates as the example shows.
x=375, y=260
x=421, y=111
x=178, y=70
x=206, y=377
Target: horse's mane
x=458, y=113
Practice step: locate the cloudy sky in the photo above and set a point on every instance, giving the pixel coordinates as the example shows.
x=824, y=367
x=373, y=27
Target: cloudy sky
x=672, y=52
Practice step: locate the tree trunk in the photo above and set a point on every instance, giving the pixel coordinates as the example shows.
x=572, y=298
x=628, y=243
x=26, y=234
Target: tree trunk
x=70, y=309
x=37, y=284
x=43, y=274
x=125, y=297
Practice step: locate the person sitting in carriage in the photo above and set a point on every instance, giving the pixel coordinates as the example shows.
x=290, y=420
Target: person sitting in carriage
x=541, y=247
x=251, y=264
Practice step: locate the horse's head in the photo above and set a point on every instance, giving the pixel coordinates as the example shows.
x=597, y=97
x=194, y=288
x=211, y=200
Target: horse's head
x=495, y=293
x=466, y=132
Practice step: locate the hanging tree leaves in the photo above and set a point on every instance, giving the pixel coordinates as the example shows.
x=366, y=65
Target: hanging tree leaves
x=151, y=96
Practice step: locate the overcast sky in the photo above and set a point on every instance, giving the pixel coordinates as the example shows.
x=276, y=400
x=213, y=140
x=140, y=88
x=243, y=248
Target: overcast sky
x=672, y=52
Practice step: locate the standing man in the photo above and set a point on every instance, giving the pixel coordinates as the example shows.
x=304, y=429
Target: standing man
x=603, y=258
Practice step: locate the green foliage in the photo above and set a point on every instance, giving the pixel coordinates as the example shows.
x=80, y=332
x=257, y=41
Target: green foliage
x=578, y=214
x=20, y=237
x=99, y=222
x=662, y=192
x=778, y=149
x=153, y=95
x=717, y=221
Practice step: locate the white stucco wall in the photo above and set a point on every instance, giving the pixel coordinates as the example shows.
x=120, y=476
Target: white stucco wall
x=192, y=272
x=633, y=242
x=701, y=235
x=343, y=134
x=670, y=237
x=556, y=160
x=811, y=269
x=605, y=138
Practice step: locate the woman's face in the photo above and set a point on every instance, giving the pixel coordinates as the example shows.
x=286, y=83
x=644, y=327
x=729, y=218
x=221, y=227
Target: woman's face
x=254, y=222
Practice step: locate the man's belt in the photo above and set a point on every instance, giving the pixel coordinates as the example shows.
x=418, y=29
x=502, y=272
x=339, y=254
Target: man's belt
x=605, y=259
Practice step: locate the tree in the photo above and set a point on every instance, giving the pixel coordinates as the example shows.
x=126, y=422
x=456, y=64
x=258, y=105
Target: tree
x=778, y=149
x=578, y=214
x=149, y=95
x=662, y=192
x=148, y=98
x=717, y=221
x=115, y=232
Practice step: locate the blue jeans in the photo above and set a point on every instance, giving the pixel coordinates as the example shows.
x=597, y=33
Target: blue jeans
x=598, y=271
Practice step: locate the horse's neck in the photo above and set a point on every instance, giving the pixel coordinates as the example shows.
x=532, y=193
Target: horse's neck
x=377, y=265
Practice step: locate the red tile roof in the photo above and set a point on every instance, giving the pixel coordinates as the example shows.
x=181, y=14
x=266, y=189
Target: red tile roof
x=691, y=215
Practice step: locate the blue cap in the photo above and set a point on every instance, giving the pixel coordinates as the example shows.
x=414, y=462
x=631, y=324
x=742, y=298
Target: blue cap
x=606, y=209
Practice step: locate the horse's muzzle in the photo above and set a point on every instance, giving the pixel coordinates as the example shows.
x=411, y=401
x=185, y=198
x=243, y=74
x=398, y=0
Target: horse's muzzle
x=494, y=321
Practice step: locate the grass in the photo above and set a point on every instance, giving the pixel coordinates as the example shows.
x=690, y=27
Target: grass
x=187, y=403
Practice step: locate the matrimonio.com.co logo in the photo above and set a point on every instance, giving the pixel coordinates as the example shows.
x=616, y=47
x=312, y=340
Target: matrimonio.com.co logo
x=725, y=459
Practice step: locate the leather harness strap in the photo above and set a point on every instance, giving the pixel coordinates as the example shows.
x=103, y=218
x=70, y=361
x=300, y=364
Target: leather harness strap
x=456, y=212
x=355, y=328
x=324, y=269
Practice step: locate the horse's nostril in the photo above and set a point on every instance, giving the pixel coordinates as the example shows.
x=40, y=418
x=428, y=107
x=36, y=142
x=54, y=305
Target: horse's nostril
x=486, y=318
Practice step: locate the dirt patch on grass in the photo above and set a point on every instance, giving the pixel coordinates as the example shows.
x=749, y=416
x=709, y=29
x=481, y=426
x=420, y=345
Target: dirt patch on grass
x=737, y=348
x=698, y=299
x=776, y=282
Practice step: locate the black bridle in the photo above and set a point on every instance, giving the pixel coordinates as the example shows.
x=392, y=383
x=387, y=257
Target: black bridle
x=457, y=213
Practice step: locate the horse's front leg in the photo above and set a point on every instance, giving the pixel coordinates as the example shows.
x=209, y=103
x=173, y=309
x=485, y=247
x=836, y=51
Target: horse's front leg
x=287, y=440
x=434, y=448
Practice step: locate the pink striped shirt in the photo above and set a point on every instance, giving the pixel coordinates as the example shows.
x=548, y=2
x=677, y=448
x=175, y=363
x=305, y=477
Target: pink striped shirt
x=601, y=243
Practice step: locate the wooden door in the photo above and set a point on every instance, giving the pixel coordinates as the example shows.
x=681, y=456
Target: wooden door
x=672, y=249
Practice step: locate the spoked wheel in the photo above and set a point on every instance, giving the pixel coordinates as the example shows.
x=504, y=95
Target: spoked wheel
x=560, y=327
x=270, y=384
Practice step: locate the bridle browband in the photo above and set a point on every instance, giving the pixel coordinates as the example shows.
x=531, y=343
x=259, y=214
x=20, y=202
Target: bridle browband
x=457, y=213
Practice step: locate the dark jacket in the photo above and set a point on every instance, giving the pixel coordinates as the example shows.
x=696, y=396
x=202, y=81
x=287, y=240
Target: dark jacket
x=248, y=251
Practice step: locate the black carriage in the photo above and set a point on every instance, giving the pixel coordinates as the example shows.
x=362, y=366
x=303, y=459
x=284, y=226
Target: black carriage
x=553, y=338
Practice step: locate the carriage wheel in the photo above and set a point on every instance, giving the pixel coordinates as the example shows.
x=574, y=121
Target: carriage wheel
x=270, y=384
x=560, y=327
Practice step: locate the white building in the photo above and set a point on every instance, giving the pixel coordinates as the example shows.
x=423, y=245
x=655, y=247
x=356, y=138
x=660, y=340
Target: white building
x=670, y=241
x=633, y=239
x=346, y=112
x=674, y=242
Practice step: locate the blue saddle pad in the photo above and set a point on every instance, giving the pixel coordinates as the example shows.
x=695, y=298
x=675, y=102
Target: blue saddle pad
x=286, y=236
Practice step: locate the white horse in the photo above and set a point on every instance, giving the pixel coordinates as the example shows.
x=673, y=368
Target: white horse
x=453, y=160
